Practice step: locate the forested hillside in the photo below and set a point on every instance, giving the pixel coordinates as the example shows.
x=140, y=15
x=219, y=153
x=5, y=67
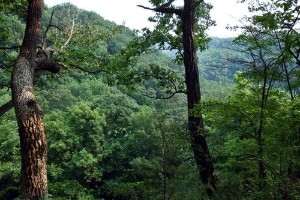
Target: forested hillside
x=116, y=117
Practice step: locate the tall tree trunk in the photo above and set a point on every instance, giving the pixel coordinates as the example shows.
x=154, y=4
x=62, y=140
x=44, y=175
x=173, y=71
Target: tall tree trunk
x=28, y=113
x=195, y=123
x=260, y=137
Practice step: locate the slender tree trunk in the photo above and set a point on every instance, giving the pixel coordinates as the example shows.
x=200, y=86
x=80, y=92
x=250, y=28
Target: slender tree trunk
x=264, y=99
x=28, y=113
x=261, y=165
x=195, y=123
x=164, y=152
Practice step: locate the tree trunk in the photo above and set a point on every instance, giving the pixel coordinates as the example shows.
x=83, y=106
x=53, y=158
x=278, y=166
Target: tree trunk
x=28, y=113
x=195, y=123
x=263, y=106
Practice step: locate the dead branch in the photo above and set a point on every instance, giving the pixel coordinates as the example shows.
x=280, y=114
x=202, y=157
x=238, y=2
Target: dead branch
x=74, y=17
x=70, y=35
x=47, y=29
x=13, y=47
x=6, y=107
x=164, y=9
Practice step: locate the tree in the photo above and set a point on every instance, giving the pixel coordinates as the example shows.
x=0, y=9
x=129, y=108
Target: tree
x=268, y=40
x=75, y=150
x=185, y=27
x=256, y=140
x=273, y=26
x=28, y=112
x=263, y=70
x=17, y=7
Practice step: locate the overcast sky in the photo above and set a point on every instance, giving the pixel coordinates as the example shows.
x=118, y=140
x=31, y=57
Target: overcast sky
x=126, y=12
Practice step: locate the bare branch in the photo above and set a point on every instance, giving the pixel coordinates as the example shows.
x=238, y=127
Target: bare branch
x=167, y=7
x=168, y=4
x=13, y=47
x=43, y=62
x=47, y=29
x=74, y=17
x=161, y=9
x=70, y=35
x=6, y=107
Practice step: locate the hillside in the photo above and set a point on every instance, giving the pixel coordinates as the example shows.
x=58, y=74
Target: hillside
x=116, y=131
x=100, y=134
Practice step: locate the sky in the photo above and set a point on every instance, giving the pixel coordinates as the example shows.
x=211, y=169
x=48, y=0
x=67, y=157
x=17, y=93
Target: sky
x=128, y=13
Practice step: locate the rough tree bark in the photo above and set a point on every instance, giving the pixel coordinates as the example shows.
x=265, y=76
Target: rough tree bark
x=195, y=123
x=196, y=127
x=28, y=113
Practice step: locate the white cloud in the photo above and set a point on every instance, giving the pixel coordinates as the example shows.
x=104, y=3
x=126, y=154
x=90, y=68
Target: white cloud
x=226, y=12
x=126, y=11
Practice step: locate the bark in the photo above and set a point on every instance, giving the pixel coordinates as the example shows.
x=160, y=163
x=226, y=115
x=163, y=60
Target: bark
x=196, y=127
x=28, y=113
x=195, y=123
x=43, y=62
x=264, y=99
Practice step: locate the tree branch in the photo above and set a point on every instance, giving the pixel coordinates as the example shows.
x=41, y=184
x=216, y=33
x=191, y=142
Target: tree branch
x=257, y=157
x=13, y=47
x=70, y=35
x=47, y=29
x=168, y=4
x=6, y=107
x=197, y=3
x=163, y=9
x=74, y=17
x=43, y=62
x=168, y=8
x=50, y=66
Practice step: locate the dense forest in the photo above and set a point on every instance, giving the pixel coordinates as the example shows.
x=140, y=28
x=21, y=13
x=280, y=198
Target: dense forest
x=115, y=107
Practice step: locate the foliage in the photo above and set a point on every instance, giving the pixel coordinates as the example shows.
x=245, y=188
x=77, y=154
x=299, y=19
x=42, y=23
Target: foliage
x=168, y=34
x=12, y=29
x=18, y=7
x=114, y=142
x=9, y=155
x=80, y=35
x=234, y=132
